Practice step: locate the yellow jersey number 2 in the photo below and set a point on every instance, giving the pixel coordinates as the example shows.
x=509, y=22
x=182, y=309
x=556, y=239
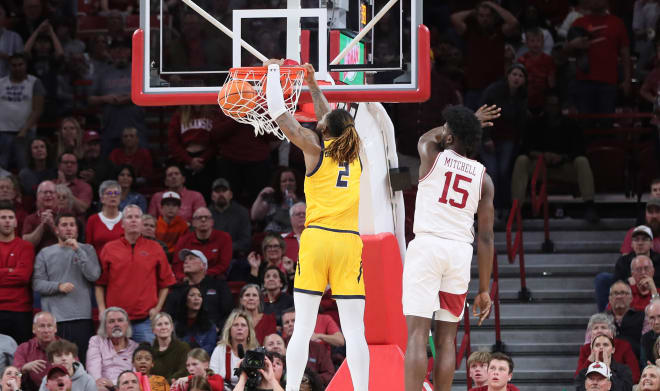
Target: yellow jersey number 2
x=343, y=173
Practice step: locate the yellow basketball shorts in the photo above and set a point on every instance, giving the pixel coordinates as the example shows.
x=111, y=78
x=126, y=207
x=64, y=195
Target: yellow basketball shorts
x=330, y=256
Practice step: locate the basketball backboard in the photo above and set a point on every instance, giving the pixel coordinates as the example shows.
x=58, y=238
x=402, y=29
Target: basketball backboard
x=181, y=55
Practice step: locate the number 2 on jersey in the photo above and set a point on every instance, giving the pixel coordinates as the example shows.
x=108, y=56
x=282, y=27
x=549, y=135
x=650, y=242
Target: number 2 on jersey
x=457, y=183
x=343, y=172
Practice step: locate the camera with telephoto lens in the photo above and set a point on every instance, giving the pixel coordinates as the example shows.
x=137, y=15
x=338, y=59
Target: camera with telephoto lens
x=254, y=361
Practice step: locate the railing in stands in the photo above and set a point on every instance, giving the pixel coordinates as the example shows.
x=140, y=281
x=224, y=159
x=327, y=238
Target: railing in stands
x=516, y=247
x=463, y=350
x=540, y=199
x=495, y=298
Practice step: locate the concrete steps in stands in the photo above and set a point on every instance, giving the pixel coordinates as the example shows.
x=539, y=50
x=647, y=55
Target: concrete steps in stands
x=543, y=335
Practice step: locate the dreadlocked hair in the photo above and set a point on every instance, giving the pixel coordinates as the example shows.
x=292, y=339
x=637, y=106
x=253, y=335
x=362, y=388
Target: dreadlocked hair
x=346, y=146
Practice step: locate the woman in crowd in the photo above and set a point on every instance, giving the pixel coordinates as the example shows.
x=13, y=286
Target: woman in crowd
x=272, y=204
x=501, y=141
x=273, y=248
x=602, y=349
x=11, y=379
x=69, y=137
x=272, y=374
x=106, y=225
x=238, y=330
x=169, y=352
x=192, y=321
x=126, y=180
x=40, y=166
x=197, y=364
x=276, y=299
x=250, y=301
x=64, y=198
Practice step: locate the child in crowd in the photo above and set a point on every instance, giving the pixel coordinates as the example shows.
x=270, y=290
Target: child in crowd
x=143, y=361
x=64, y=353
x=478, y=366
x=540, y=69
x=170, y=226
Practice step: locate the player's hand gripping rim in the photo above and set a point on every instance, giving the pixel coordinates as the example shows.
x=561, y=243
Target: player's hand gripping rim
x=483, y=303
x=486, y=114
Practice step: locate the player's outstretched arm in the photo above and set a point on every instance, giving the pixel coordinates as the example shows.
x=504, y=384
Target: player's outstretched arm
x=485, y=247
x=303, y=138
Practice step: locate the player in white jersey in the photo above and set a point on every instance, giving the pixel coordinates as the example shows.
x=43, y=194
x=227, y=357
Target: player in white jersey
x=452, y=189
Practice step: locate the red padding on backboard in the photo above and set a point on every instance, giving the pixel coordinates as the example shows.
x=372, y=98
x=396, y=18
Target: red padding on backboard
x=385, y=371
x=383, y=270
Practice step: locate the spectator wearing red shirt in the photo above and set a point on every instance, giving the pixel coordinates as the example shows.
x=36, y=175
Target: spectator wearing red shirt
x=174, y=182
x=135, y=275
x=130, y=153
x=540, y=69
x=292, y=239
x=484, y=46
x=652, y=218
x=641, y=282
x=67, y=175
x=30, y=356
x=170, y=227
x=106, y=225
x=189, y=142
x=500, y=373
x=16, y=264
x=605, y=42
x=39, y=227
x=216, y=245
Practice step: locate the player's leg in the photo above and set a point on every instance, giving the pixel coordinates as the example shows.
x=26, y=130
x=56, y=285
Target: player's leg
x=421, y=282
x=307, y=307
x=347, y=282
x=445, y=353
x=351, y=315
x=309, y=284
x=416, y=360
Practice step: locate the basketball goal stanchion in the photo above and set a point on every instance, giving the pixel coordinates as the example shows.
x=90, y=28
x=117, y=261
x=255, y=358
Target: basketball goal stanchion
x=243, y=96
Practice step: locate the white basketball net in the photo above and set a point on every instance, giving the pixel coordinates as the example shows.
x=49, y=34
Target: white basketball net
x=254, y=110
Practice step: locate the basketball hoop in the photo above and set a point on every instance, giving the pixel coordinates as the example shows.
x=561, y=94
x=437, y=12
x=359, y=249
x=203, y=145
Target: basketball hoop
x=243, y=96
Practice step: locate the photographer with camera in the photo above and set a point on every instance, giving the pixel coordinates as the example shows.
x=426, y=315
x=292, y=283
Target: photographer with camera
x=238, y=331
x=260, y=371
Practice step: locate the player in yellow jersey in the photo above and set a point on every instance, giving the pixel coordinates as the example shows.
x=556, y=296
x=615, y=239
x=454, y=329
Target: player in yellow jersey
x=330, y=245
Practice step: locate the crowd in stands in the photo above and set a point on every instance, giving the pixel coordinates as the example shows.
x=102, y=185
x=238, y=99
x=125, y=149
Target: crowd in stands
x=116, y=256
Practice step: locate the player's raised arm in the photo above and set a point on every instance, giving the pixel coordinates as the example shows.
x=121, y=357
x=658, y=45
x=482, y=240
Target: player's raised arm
x=303, y=138
x=485, y=247
x=321, y=105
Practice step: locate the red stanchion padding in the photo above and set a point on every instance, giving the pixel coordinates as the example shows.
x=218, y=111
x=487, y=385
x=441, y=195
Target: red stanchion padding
x=383, y=270
x=385, y=371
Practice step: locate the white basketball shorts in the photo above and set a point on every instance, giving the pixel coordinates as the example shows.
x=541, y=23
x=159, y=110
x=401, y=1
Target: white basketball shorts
x=436, y=274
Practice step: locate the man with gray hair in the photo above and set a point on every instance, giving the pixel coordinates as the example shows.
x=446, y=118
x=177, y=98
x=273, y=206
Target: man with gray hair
x=627, y=320
x=64, y=274
x=641, y=281
x=135, y=275
x=603, y=324
x=297, y=213
x=648, y=339
x=30, y=357
x=111, y=349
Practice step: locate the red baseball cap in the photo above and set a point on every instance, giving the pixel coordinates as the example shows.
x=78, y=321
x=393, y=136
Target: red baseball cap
x=91, y=135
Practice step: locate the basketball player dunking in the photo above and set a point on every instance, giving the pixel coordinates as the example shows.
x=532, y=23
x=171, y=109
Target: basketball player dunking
x=436, y=273
x=330, y=245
